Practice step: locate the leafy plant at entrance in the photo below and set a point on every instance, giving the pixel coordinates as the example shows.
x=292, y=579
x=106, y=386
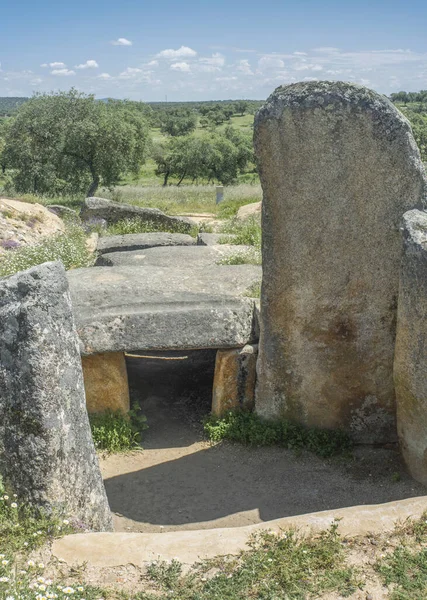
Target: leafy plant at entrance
x=115, y=431
x=249, y=429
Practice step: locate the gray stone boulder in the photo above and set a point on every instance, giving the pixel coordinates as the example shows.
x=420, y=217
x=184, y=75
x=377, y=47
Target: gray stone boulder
x=213, y=239
x=249, y=211
x=113, y=212
x=339, y=167
x=46, y=448
x=410, y=375
x=142, y=241
x=64, y=212
x=120, y=309
x=174, y=256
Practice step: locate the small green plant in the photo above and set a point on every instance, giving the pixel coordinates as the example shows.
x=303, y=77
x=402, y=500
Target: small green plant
x=243, y=257
x=138, y=225
x=248, y=428
x=115, y=431
x=254, y=290
x=69, y=247
x=246, y=233
x=284, y=566
x=406, y=570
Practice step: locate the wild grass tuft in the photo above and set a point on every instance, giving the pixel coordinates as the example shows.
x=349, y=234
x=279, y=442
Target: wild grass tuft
x=69, y=247
x=114, y=431
x=249, y=429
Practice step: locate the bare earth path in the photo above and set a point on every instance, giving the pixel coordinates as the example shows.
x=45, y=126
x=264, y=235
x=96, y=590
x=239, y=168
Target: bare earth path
x=179, y=481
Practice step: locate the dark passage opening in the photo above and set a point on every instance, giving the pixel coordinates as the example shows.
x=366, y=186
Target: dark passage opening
x=180, y=481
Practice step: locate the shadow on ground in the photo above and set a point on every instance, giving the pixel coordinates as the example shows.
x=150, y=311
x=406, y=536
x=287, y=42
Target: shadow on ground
x=180, y=481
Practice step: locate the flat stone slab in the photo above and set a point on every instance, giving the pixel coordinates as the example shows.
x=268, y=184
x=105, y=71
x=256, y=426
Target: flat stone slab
x=142, y=241
x=120, y=309
x=113, y=212
x=176, y=256
x=212, y=239
x=140, y=549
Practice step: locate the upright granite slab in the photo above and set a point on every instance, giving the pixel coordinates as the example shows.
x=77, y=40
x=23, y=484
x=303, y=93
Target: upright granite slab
x=46, y=449
x=112, y=212
x=338, y=167
x=410, y=363
x=125, y=309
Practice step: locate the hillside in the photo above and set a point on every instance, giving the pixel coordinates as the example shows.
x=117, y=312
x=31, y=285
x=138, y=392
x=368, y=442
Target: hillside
x=9, y=104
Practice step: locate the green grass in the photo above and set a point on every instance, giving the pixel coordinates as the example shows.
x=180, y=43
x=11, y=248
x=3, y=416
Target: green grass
x=114, y=431
x=249, y=429
x=283, y=567
x=251, y=256
x=254, y=290
x=68, y=247
x=246, y=233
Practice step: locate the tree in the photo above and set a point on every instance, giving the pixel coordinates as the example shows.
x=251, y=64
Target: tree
x=179, y=123
x=419, y=129
x=241, y=106
x=70, y=143
x=5, y=124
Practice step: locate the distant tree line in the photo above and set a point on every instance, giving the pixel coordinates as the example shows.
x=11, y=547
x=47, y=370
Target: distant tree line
x=415, y=109
x=407, y=97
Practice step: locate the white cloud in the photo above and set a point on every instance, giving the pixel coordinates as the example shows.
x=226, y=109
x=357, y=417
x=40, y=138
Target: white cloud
x=62, y=72
x=130, y=73
x=216, y=60
x=152, y=63
x=121, y=42
x=183, y=52
x=104, y=76
x=181, y=66
x=54, y=65
x=89, y=64
x=270, y=62
x=244, y=67
x=300, y=53
x=36, y=81
x=233, y=78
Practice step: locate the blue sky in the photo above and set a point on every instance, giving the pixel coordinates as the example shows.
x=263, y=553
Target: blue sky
x=203, y=50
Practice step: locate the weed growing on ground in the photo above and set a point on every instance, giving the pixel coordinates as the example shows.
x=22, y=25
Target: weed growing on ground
x=248, y=428
x=254, y=290
x=115, y=431
x=138, y=225
x=242, y=257
x=246, y=233
x=69, y=247
x=276, y=566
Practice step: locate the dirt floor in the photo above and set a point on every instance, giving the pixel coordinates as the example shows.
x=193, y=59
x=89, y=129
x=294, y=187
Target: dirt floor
x=180, y=481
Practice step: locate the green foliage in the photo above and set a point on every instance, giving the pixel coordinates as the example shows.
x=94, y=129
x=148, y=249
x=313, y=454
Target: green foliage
x=114, y=431
x=284, y=566
x=10, y=104
x=249, y=429
x=214, y=157
x=247, y=232
x=406, y=569
x=138, y=225
x=69, y=143
x=69, y=247
x=419, y=129
x=179, y=122
x=251, y=256
x=254, y=290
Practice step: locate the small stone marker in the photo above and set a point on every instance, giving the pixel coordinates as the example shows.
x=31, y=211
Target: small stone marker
x=338, y=167
x=46, y=448
x=219, y=193
x=106, y=382
x=410, y=374
x=234, y=380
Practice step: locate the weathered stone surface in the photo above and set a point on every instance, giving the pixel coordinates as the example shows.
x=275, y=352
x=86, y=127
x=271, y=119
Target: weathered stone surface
x=174, y=256
x=212, y=239
x=46, y=448
x=142, y=241
x=249, y=211
x=113, y=212
x=120, y=309
x=234, y=380
x=106, y=382
x=64, y=212
x=338, y=167
x=410, y=375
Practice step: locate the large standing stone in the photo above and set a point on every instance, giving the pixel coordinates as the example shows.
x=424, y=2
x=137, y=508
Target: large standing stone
x=338, y=166
x=106, y=382
x=410, y=372
x=46, y=449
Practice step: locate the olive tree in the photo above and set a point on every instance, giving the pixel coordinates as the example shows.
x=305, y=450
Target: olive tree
x=69, y=142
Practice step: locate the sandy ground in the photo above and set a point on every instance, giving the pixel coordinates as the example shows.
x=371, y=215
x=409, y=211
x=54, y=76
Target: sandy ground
x=179, y=481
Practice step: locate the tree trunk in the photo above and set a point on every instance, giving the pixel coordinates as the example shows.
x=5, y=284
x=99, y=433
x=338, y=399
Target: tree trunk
x=93, y=186
x=180, y=181
x=165, y=181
